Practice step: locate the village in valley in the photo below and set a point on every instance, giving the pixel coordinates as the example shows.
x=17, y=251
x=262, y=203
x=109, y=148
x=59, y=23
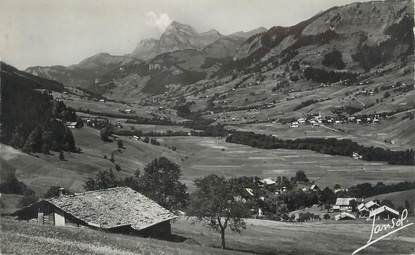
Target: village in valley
x=282, y=140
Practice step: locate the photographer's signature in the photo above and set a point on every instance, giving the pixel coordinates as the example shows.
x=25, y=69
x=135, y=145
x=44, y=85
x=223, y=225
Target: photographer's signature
x=394, y=226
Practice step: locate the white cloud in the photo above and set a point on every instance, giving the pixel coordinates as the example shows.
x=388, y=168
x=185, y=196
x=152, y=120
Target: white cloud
x=160, y=21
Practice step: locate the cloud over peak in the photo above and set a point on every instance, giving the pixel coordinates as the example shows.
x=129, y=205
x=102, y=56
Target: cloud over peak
x=160, y=21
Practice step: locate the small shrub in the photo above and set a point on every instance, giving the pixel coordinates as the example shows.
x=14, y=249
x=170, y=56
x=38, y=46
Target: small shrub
x=153, y=141
x=61, y=156
x=120, y=144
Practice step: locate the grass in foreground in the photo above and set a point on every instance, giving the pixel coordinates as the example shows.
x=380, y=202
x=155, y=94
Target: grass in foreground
x=260, y=237
x=18, y=237
x=314, y=238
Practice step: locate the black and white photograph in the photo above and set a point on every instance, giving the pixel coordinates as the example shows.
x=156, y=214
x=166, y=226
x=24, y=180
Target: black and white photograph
x=198, y=127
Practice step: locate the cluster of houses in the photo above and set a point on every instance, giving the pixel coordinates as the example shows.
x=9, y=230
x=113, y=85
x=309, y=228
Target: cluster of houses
x=314, y=120
x=346, y=82
x=366, y=92
x=266, y=182
x=345, y=208
x=399, y=86
x=318, y=119
x=351, y=209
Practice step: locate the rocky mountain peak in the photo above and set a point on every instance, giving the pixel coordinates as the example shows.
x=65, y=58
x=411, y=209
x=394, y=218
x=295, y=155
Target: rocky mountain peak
x=177, y=36
x=176, y=27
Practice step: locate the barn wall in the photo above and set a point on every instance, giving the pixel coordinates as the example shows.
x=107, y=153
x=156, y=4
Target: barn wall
x=161, y=230
x=46, y=213
x=59, y=219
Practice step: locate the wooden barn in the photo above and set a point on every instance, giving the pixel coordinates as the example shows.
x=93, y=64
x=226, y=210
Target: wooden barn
x=384, y=212
x=119, y=210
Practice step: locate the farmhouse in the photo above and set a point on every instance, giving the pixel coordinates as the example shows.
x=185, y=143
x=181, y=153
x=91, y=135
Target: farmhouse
x=343, y=204
x=384, y=212
x=365, y=208
x=73, y=124
x=119, y=210
x=267, y=181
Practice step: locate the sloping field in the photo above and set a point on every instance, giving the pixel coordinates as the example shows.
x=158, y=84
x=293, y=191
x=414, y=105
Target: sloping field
x=197, y=156
x=9, y=203
x=326, y=237
x=26, y=238
x=260, y=237
x=207, y=155
x=397, y=198
x=41, y=171
x=368, y=135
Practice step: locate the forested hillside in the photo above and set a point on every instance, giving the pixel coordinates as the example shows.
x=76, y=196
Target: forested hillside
x=30, y=119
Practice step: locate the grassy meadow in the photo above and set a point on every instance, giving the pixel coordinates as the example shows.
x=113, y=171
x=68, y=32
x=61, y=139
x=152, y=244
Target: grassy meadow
x=325, y=237
x=27, y=238
x=207, y=155
x=197, y=156
x=260, y=237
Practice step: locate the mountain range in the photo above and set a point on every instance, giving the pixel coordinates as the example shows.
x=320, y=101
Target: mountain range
x=341, y=43
x=176, y=37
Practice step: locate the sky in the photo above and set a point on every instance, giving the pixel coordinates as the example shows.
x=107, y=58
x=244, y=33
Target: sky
x=63, y=32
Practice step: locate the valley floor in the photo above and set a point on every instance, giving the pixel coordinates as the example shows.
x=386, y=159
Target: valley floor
x=197, y=157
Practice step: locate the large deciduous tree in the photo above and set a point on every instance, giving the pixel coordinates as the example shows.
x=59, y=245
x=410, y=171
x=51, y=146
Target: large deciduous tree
x=103, y=180
x=160, y=182
x=217, y=203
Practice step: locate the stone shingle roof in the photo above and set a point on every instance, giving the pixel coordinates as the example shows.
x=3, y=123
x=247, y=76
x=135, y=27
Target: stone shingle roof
x=113, y=207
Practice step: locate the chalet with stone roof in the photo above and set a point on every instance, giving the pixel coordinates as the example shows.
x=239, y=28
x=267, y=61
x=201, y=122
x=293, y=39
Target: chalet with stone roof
x=119, y=210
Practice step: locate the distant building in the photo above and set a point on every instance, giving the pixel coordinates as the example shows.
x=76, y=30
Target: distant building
x=371, y=205
x=344, y=216
x=384, y=212
x=301, y=120
x=129, y=111
x=356, y=155
x=341, y=190
x=365, y=208
x=294, y=124
x=73, y=124
x=154, y=67
x=119, y=210
x=344, y=204
x=267, y=181
x=314, y=187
